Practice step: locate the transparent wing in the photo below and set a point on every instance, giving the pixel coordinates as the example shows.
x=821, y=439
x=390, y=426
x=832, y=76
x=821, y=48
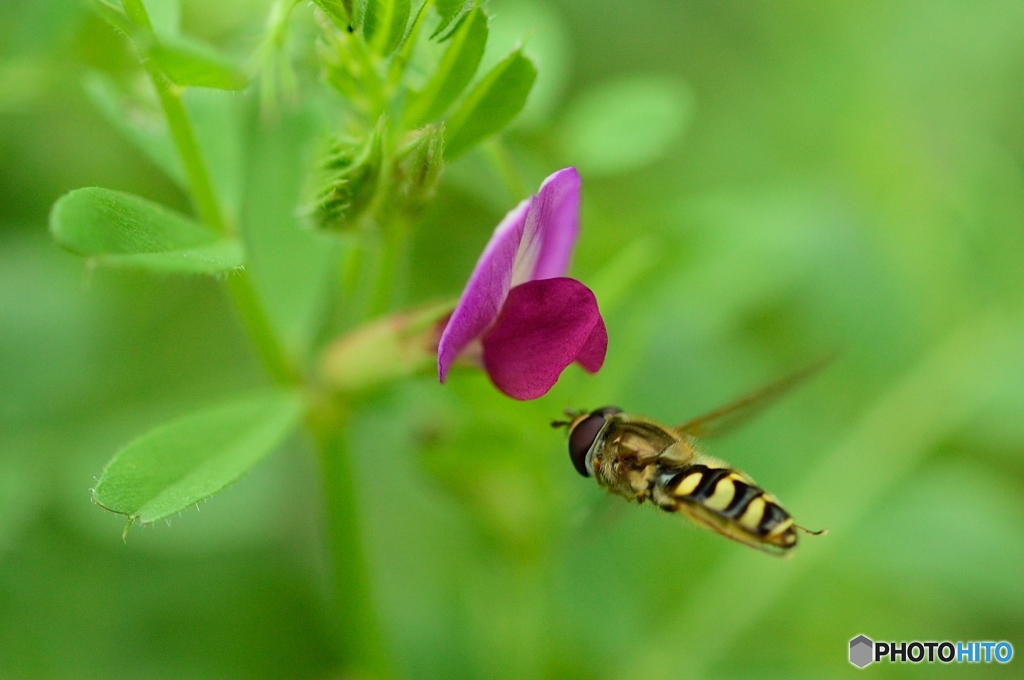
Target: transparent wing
x=736, y=412
x=639, y=437
x=708, y=518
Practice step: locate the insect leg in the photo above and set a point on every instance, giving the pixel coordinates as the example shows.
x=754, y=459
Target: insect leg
x=819, y=532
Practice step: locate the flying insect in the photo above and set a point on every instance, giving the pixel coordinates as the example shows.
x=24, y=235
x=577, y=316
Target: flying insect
x=642, y=460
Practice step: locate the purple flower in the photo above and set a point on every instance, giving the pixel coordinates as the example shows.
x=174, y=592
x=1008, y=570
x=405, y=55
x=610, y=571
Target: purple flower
x=519, y=316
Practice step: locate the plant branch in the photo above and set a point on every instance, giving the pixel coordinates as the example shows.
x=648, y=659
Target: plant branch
x=358, y=632
x=391, y=276
x=240, y=285
x=188, y=148
x=243, y=292
x=276, y=75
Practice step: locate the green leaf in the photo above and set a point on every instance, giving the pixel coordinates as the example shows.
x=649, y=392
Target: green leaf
x=491, y=104
x=191, y=64
x=384, y=24
x=138, y=13
x=165, y=15
x=449, y=11
x=146, y=130
x=222, y=256
x=113, y=15
x=626, y=124
x=339, y=11
x=455, y=70
x=548, y=47
x=186, y=460
x=119, y=229
x=186, y=62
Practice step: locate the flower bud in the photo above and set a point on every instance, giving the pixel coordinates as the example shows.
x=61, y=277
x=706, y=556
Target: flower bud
x=346, y=180
x=385, y=350
x=418, y=165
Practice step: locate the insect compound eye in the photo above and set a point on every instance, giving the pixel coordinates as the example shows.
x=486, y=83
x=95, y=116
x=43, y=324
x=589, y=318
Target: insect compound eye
x=582, y=438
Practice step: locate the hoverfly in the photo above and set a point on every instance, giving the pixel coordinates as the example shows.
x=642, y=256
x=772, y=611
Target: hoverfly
x=641, y=459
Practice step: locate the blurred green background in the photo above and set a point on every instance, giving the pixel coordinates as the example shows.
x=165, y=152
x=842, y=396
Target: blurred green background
x=764, y=183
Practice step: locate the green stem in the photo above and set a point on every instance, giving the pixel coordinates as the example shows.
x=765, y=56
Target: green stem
x=188, y=148
x=346, y=288
x=276, y=75
x=392, y=267
x=366, y=268
x=243, y=294
x=358, y=632
x=241, y=285
x=359, y=638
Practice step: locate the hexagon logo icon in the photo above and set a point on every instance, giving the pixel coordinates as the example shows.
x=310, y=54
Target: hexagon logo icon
x=861, y=651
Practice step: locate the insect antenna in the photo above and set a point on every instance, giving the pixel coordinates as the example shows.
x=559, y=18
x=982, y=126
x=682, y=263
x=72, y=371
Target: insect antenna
x=571, y=414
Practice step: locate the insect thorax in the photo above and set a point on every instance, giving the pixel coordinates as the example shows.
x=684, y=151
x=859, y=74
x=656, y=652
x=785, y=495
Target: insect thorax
x=627, y=476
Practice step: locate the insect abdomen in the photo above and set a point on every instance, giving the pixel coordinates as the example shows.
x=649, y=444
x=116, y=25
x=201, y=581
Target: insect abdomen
x=730, y=502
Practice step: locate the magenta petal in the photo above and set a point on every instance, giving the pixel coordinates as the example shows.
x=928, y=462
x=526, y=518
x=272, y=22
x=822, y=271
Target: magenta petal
x=552, y=225
x=591, y=356
x=544, y=326
x=486, y=290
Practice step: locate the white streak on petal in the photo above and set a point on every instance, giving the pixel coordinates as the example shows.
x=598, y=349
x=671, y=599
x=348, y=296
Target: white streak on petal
x=486, y=290
x=553, y=224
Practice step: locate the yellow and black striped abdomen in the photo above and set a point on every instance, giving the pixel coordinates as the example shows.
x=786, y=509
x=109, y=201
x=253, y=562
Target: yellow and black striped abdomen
x=728, y=502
